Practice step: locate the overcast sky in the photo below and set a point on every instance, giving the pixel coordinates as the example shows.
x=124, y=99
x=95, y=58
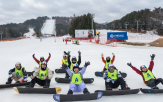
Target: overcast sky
x=17, y=11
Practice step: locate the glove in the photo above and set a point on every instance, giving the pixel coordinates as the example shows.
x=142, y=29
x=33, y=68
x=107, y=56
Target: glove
x=129, y=64
x=45, y=77
x=33, y=55
x=65, y=66
x=152, y=57
x=49, y=54
x=79, y=53
x=25, y=78
x=32, y=77
x=86, y=64
x=108, y=80
x=10, y=74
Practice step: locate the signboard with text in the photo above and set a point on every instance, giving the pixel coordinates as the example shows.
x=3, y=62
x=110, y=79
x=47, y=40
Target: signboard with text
x=117, y=35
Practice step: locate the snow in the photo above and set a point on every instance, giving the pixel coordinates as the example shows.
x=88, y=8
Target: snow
x=48, y=27
x=22, y=51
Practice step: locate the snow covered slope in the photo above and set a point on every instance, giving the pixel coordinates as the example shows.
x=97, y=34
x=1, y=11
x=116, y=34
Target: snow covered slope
x=22, y=51
x=48, y=27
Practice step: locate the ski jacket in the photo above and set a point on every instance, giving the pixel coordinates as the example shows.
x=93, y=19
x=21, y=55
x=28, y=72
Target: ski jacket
x=140, y=72
x=69, y=62
x=39, y=61
x=105, y=75
x=23, y=70
x=112, y=61
x=71, y=72
x=49, y=73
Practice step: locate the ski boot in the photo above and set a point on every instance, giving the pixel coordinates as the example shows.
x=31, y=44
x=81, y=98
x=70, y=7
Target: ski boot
x=29, y=86
x=47, y=83
x=17, y=82
x=154, y=87
x=70, y=92
x=123, y=87
x=9, y=81
x=108, y=87
x=86, y=91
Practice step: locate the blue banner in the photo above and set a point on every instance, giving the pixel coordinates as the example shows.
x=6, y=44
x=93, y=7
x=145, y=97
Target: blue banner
x=117, y=35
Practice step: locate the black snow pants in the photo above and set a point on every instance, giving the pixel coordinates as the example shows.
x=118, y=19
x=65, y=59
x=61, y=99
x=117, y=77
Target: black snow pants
x=118, y=82
x=154, y=82
x=40, y=82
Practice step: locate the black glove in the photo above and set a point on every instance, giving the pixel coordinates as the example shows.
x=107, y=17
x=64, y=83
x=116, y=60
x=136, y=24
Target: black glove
x=64, y=66
x=49, y=54
x=86, y=64
x=152, y=57
x=33, y=55
x=79, y=53
x=129, y=64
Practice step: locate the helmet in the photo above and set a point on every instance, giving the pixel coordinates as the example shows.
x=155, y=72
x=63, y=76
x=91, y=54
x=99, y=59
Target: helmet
x=73, y=58
x=107, y=57
x=75, y=66
x=44, y=62
x=143, y=66
x=111, y=66
x=42, y=57
x=18, y=64
x=64, y=55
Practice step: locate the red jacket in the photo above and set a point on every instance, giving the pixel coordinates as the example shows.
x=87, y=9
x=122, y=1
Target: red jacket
x=39, y=61
x=140, y=72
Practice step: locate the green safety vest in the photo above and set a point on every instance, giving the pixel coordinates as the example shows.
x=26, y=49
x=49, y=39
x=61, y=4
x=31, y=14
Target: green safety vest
x=65, y=62
x=42, y=73
x=76, y=78
x=148, y=75
x=71, y=67
x=107, y=63
x=19, y=72
x=40, y=64
x=113, y=75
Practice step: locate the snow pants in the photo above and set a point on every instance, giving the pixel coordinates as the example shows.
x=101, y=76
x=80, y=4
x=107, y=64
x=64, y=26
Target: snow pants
x=16, y=78
x=154, y=82
x=77, y=88
x=118, y=82
x=40, y=82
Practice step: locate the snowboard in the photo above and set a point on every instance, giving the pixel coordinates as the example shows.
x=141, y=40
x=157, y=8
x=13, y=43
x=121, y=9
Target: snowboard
x=38, y=90
x=77, y=97
x=14, y=84
x=118, y=92
x=63, y=70
x=100, y=74
x=66, y=80
x=151, y=90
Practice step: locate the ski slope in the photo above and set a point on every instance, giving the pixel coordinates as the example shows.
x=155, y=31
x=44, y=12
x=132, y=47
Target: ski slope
x=48, y=27
x=22, y=51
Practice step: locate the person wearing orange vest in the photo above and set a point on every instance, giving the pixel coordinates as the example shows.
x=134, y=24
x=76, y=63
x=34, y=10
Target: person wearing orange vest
x=107, y=61
x=147, y=75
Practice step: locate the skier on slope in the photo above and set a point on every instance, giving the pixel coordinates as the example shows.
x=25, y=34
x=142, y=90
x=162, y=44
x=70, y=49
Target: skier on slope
x=77, y=84
x=18, y=73
x=113, y=78
x=107, y=61
x=41, y=76
x=147, y=75
x=73, y=61
x=41, y=59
